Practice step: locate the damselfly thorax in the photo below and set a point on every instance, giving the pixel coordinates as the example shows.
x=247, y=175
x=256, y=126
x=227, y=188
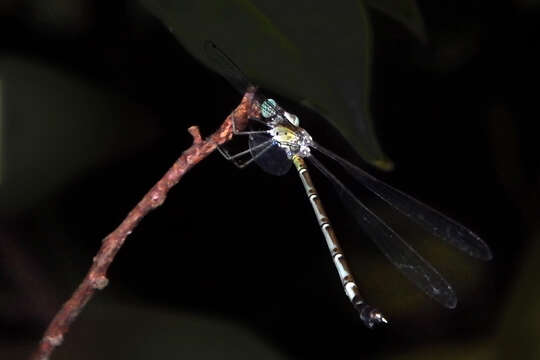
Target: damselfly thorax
x=286, y=132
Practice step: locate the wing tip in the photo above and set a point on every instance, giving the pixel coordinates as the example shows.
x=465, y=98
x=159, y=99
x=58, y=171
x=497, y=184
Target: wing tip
x=482, y=252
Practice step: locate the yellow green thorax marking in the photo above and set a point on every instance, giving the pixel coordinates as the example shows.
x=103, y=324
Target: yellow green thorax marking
x=284, y=134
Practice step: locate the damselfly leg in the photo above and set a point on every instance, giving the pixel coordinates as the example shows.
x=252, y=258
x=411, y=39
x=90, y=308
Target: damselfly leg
x=246, y=155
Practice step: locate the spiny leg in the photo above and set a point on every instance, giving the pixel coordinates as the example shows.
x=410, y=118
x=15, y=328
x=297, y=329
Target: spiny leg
x=258, y=155
x=237, y=155
x=238, y=132
x=233, y=158
x=368, y=314
x=251, y=132
x=265, y=123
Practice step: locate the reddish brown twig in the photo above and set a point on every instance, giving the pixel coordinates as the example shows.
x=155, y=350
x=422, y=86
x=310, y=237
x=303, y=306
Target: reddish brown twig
x=96, y=278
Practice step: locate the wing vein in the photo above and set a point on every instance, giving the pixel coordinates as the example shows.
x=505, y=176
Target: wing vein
x=402, y=255
x=432, y=220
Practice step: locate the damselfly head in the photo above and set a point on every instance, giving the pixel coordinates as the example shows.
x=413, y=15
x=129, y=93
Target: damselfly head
x=272, y=111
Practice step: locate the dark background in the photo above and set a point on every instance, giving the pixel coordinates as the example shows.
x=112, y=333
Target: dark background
x=233, y=264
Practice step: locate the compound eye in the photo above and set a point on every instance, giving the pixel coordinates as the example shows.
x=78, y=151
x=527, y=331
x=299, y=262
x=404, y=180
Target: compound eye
x=293, y=119
x=268, y=108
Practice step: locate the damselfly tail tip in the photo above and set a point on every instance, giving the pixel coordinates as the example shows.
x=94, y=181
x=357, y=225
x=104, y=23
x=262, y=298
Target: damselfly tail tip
x=369, y=315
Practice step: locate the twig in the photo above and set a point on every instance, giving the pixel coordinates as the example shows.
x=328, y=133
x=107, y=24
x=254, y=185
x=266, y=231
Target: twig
x=96, y=277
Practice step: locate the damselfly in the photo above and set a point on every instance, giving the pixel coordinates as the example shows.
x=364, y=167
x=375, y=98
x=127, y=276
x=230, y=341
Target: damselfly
x=276, y=141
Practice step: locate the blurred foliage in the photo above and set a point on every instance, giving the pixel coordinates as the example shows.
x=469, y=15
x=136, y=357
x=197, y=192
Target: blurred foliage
x=105, y=332
x=404, y=11
x=56, y=126
x=313, y=52
x=520, y=322
x=477, y=351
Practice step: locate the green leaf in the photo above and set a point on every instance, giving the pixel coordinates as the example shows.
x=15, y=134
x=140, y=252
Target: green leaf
x=55, y=126
x=312, y=52
x=404, y=11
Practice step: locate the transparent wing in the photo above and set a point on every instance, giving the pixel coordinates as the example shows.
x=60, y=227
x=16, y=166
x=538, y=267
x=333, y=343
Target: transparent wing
x=438, y=224
x=274, y=160
x=401, y=254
